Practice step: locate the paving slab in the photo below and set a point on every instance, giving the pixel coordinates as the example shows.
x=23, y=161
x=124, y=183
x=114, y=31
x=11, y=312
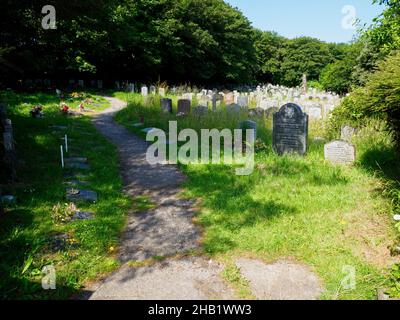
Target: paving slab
x=184, y=279
x=282, y=280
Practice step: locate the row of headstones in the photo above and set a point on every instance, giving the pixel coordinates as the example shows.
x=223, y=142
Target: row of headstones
x=290, y=135
x=184, y=108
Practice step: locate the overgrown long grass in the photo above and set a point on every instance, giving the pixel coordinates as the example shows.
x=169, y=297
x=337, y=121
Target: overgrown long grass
x=27, y=230
x=328, y=217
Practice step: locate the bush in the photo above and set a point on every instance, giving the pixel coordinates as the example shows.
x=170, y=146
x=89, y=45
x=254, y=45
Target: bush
x=380, y=98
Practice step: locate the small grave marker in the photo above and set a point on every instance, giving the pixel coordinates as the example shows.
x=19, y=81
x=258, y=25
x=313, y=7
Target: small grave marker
x=340, y=152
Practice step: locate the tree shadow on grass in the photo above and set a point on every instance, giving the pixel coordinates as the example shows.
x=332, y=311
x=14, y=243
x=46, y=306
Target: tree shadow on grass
x=231, y=201
x=383, y=162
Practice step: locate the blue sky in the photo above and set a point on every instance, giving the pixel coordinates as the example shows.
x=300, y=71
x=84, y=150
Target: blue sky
x=320, y=19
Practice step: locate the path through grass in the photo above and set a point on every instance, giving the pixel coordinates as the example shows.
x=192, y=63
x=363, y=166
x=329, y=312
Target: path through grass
x=328, y=217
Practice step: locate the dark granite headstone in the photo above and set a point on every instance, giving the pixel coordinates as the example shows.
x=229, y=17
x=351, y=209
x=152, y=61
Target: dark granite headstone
x=166, y=105
x=184, y=106
x=290, y=130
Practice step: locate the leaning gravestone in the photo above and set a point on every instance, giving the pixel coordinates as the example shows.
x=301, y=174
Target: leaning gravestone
x=340, y=152
x=290, y=130
x=184, y=106
x=166, y=105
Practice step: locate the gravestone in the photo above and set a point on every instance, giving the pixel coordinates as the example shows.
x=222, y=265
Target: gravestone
x=347, y=133
x=340, y=152
x=100, y=84
x=304, y=85
x=215, y=100
x=184, y=107
x=153, y=90
x=161, y=92
x=290, y=130
x=243, y=101
x=233, y=108
x=315, y=112
x=81, y=83
x=229, y=98
x=131, y=87
x=249, y=125
x=166, y=105
x=144, y=91
x=200, y=111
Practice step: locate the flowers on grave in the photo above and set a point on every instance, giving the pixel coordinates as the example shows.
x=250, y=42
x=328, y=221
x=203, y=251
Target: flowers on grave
x=76, y=95
x=36, y=111
x=63, y=212
x=64, y=108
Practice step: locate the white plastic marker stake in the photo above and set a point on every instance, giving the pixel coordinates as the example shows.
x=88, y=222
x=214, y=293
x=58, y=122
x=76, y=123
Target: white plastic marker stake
x=62, y=156
x=66, y=143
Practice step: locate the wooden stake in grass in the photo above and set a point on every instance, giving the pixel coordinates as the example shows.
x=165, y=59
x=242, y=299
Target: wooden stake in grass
x=62, y=156
x=66, y=143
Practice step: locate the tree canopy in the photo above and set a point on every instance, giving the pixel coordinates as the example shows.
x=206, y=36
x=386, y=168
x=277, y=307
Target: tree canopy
x=179, y=41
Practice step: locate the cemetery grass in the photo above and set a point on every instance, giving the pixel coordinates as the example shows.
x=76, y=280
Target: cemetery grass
x=28, y=229
x=328, y=217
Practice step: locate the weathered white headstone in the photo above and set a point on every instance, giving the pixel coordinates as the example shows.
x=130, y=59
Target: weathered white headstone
x=340, y=152
x=315, y=112
x=144, y=91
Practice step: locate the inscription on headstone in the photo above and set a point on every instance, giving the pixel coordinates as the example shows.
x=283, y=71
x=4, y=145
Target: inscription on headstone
x=290, y=130
x=340, y=152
